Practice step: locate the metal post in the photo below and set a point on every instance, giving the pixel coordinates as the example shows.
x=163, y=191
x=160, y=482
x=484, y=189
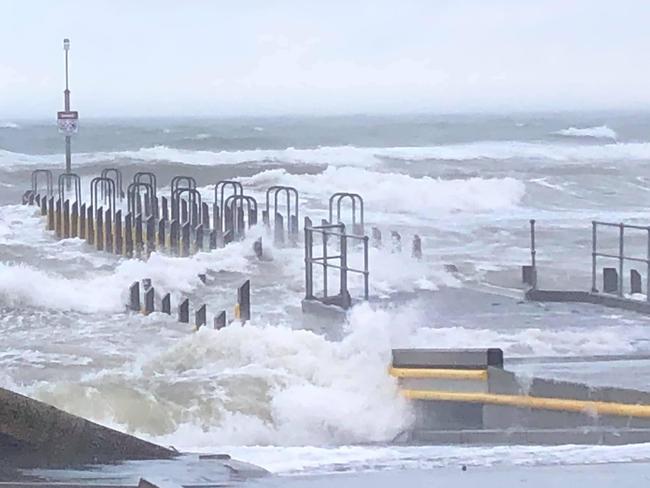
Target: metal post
x=309, y=289
x=324, y=234
x=620, y=259
x=647, y=274
x=366, y=292
x=533, y=253
x=594, y=256
x=344, y=262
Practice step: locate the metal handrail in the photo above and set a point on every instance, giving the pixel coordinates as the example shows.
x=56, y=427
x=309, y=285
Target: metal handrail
x=333, y=230
x=621, y=257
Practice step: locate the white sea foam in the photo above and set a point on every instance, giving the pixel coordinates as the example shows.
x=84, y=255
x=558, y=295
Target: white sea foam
x=200, y=136
x=599, y=132
x=355, y=156
x=252, y=385
x=104, y=291
x=399, y=193
x=332, y=460
x=9, y=125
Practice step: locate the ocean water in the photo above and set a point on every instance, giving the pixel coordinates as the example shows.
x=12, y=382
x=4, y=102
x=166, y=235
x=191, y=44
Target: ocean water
x=299, y=402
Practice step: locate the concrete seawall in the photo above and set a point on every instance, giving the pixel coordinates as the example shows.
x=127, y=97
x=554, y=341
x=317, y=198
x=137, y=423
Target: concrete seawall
x=466, y=396
x=34, y=434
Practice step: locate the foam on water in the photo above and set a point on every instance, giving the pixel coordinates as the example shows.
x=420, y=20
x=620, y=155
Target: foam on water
x=599, y=132
x=388, y=193
x=355, y=156
x=331, y=460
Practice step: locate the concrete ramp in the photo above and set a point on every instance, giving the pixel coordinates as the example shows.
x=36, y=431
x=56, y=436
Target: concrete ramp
x=465, y=396
x=34, y=434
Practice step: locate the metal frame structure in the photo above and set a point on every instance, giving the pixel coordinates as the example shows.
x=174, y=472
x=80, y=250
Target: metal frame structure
x=119, y=188
x=194, y=201
x=354, y=197
x=336, y=231
x=151, y=180
x=235, y=203
x=107, y=192
x=64, y=183
x=288, y=191
x=620, y=257
x=219, y=196
x=48, y=181
x=132, y=191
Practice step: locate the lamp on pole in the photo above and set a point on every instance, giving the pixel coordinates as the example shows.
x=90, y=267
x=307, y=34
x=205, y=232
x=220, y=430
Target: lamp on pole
x=67, y=120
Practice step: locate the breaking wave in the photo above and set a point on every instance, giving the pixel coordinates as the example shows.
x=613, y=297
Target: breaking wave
x=366, y=157
x=599, y=132
x=399, y=193
x=9, y=125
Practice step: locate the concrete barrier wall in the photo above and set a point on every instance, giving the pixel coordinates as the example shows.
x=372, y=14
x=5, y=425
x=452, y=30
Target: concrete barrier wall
x=33, y=433
x=496, y=399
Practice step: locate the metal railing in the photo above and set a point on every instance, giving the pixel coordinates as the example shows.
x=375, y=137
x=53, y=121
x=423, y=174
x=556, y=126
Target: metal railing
x=620, y=257
x=337, y=261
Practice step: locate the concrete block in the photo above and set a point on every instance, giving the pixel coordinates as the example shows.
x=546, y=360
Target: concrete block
x=220, y=320
x=528, y=275
x=149, y=301
x=244, y=301
x=434, y=415
x=184, y=311
x=448, y=358
x=610, y=280
x=166, y=304
x=440, y=384
x=200, y=316
x=134, y=297
x=635, y=282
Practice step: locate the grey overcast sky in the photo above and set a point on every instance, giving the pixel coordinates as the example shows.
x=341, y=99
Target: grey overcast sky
x=193, y=57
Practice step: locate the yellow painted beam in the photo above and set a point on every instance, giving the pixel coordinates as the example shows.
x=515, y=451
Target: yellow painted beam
x=447, y=374
x=524, y=401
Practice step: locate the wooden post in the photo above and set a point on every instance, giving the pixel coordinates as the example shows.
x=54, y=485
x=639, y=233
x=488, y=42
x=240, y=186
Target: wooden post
x=165, y=209
x=81, y=232
x=205, y=216
x=117, y=243
x=151, y=234
x=58, y=223
x=184, y=311
x=134, y=297
x=74, y=220
x=220, y=320
x=44, y=205
x=148, y=301
x=174, y=237
x=90, y=225
x=128, y=235
x=138, y=241
x=167, y=304
x=199, y=317
x=198, y=238
x=161, y=233
x=185, y=240
x=66, y=219
x=244, y=301
x=108, y=230
x=50, y=214
x=99, y=229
